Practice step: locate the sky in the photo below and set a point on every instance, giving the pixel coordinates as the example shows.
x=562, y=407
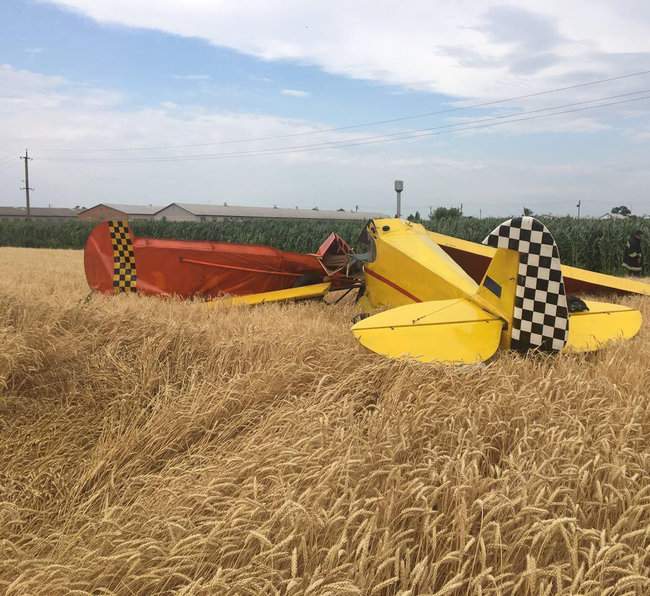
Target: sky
x=491, y=105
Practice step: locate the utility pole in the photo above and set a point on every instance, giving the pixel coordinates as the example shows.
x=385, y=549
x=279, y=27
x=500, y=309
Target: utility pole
x=26, y=188
x=578, y=206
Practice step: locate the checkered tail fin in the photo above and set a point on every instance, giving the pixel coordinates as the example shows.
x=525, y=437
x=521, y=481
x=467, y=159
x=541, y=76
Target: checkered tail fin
x=540, y=317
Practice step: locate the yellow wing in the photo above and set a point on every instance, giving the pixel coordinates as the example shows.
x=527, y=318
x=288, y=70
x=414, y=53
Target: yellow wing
x=588, y=281
x=301, y=293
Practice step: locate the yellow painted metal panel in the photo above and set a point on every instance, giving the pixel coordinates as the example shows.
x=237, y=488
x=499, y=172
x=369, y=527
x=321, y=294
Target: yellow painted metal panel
x=464, y=245
x=410, y=267
x=450, y=331
x=622, y=284
x=499, y=286
x=601, y=324
x=301, y=293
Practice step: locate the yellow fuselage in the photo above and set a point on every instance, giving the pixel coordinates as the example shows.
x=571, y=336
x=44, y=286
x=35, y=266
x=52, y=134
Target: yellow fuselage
x=440, y=313
x=408, y=266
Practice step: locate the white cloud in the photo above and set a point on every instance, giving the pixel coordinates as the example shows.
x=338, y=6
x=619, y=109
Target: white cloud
x=295, y=93
x=66, y=127
x=33, y=50
x=71, y=123
x=466, y=48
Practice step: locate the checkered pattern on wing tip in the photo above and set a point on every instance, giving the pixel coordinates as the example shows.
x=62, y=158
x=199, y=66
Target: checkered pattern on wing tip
x=124, y=272
x=541, y=315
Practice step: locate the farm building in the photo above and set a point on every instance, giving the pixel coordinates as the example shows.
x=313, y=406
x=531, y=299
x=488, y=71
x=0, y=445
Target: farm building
x=195, y=212
x=49, y=213
x=104, y=211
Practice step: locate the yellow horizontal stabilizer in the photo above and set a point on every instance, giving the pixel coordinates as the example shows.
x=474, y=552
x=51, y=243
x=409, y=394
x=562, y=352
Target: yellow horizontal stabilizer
x=602, y=323
x=452, y=331
x=301, y=293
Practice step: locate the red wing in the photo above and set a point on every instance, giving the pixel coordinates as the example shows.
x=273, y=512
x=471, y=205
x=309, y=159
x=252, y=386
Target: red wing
x=115, y=261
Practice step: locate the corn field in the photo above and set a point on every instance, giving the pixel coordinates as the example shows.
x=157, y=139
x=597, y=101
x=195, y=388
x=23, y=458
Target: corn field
x=590, y=243
x=299, y=236
x=153, y=446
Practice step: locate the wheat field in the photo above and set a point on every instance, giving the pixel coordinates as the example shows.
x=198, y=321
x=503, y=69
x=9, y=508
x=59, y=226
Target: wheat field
x=151, y=446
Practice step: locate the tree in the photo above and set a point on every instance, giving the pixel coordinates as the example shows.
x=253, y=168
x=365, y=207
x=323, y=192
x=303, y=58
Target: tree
x=622, y=210
x=442, y=212
x=416, y=218
x=528, y=212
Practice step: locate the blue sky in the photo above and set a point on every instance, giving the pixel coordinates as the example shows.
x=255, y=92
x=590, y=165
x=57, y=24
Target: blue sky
x=153, y=66
x=86, y=83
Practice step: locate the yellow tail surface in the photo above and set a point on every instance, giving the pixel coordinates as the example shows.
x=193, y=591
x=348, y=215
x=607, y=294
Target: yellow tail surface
x=603, y=323
x=498, y=289
x=452, y=331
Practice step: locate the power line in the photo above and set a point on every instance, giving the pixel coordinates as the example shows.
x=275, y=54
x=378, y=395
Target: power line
x=476, y=124
x=373, y=123
x=423, y=131
x=350, y=143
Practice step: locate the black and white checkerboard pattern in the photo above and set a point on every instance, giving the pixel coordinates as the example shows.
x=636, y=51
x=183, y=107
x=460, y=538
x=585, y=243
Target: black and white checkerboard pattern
x=124, y=272
x=541, y=316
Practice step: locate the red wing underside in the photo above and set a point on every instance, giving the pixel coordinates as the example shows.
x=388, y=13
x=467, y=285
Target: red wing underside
x=115, y=261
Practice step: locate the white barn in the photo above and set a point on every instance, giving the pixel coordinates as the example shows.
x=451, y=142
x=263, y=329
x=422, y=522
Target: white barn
x=196, y=212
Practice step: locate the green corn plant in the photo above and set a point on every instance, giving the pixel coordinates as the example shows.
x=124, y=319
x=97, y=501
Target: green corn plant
x=590, y=243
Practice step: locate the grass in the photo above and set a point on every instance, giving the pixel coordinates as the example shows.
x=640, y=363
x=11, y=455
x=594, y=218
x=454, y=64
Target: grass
x=157, y=447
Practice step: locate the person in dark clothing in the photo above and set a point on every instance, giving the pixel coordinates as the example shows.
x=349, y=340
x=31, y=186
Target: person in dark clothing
x=633, y=259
